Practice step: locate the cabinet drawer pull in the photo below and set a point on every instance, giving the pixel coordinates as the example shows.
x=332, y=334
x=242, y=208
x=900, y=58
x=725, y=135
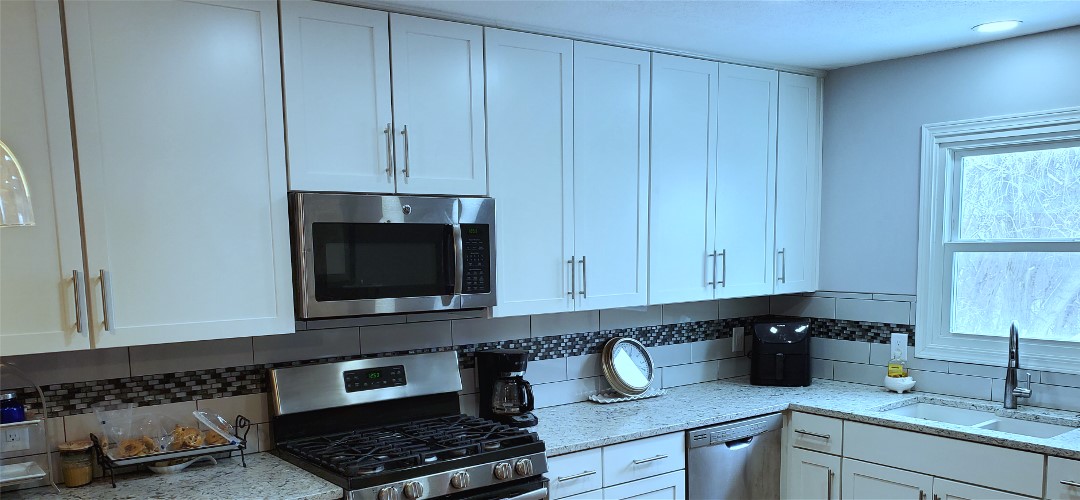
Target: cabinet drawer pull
x=647, y=460
x=576, y=476
x=828, y=495
x=389, y=131
x=808, y=433
x=1074, y=484
x=405, y=136
x=106, y=305
x=80, y=301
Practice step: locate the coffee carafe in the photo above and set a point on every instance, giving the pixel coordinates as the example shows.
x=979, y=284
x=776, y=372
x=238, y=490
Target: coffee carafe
x=505, y=396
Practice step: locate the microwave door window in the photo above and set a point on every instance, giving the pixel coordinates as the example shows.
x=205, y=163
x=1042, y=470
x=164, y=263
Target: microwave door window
x=371, y=261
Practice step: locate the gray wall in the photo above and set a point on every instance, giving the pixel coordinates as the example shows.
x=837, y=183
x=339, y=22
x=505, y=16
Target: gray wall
x=873, y=114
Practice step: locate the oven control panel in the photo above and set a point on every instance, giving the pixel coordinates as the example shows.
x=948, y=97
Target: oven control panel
x=374, y=378
x=476, y=254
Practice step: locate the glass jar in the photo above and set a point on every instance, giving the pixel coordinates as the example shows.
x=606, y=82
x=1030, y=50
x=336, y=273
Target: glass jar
x=77, y=463
x=11, y=409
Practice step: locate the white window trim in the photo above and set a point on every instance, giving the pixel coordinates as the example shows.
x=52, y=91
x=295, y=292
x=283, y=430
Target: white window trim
x=940, y=143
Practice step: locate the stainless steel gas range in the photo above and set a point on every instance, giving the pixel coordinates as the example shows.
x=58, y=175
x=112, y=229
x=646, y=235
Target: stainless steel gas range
x=389, y=428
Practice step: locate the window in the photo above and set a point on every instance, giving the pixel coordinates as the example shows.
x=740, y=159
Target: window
x=1000, y=240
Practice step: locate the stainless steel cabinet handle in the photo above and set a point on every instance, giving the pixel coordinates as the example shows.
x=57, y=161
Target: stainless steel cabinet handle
x=80, y=301
x=723, y=268
x=828, y=494
x=573, y=276
x=389, y=131
x=583, y=275
x=647, y=460
x=405, y=134
x=936, y=497
x=808, y=433
x=459, y=265
x=1074, y=484
x=106, y=305
x=713, y=257
x=575, y=476
x=922, y=494
x=783, y=265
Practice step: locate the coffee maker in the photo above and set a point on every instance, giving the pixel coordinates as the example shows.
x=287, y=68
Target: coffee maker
x=505, y=396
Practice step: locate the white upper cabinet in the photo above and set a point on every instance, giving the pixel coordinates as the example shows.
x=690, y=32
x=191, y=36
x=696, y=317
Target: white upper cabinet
x=798, y=184
x=746, y=180
x=530, y=81
x=42, y=290
x=438, y=84
x=683, y=179
x=178, y=117
x=611, y=175
x=336, y=62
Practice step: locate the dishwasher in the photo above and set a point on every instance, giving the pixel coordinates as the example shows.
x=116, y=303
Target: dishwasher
x=736, y=460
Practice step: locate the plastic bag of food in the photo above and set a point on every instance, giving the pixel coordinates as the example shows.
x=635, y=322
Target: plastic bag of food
x=115, y=421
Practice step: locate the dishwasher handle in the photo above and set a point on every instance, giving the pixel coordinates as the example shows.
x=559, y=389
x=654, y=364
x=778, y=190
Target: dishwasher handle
x=739, y=444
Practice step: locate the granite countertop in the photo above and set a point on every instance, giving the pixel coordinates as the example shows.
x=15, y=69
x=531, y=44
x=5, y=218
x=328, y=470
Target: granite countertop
x=266, y=476
x=710, y=403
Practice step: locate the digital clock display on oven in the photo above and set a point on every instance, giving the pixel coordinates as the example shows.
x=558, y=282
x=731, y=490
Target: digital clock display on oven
x=374, y=378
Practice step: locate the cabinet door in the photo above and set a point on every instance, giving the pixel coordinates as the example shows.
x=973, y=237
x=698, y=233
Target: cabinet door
x=336, y=63
x=611, y=175
x=42, y=287
x=670, y=486
x=746, y=180
x=682, y=180
x=1062, y=478
x=811, y=474
x=438, y=87
x=178, y=117
x=952, y=490
x=866, y=480
x=530, y=82
x=798, y=184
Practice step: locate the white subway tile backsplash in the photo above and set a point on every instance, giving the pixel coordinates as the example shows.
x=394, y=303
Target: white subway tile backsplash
x=584, y=366
x=469, y=404
x=566, y=392
x=810, y=307
x=630, y=317
x=1065, y=379
x=952, y=385
x=468, y=380
x=881, y=354
x=894, y=297
x=546, y=370
x=840, y=350
x=187, y=356
x=445, y=315
x=688, y=312
x=858, y=373
x=252, y=406
x=707, y=350
x=405, y=337
x=73, y=366
x=744, y=307
x=320, y=324
x=733, y=367
x=692, y=373
x=840, y=295
x=544, y=325
x=475, y=331
x=265, y=433
x=821, y=368
x=667, y=355
x=877, y=311
x=989, y=371
x=1046, y=396
x=302, y=345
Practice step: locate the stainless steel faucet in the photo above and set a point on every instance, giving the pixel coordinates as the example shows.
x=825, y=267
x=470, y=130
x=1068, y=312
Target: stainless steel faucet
x=1012, y=392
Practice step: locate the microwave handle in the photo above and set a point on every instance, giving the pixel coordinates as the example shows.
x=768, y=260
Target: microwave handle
x=459, y=259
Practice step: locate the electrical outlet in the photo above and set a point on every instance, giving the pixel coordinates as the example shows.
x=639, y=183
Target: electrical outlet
x=738, y=336
x=898, y=347
x=17, y=439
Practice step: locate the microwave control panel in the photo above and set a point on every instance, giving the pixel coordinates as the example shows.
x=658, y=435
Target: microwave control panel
x=476, y=254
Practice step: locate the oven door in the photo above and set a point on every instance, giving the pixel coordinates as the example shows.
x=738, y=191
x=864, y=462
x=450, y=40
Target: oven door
x=369, y=254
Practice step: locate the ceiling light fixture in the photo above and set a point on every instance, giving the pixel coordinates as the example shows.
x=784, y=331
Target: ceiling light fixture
x=996, y=26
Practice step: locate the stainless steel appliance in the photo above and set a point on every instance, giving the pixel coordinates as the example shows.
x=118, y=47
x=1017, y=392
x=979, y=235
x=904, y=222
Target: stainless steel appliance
x=740, y=459
x=505, y=395
x=780, y=354
x=389, y=428
x=358, y=254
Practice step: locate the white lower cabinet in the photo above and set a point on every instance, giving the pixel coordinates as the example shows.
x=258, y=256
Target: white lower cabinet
x=1062, y=478
x=866, y=480
x=576, y=473
x=670, y=486
x=952, y=490
x=653, y=468
x=812, y=475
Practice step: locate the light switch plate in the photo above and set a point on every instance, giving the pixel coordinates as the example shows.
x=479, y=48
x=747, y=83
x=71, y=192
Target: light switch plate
x=737, y=339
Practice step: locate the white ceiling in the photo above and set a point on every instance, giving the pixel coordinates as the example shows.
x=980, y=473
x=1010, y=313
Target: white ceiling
x=813, y=34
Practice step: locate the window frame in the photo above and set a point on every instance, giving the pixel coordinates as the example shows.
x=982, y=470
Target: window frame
x=943, y=144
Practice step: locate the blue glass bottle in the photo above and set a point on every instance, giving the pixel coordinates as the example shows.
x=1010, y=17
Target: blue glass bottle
x=11, y=409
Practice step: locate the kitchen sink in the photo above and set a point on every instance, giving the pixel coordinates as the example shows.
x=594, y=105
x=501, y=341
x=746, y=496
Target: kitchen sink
x=979, y=419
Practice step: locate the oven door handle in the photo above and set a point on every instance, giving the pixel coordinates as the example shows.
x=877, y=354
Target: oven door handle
x=459, y=259
x=537, y=494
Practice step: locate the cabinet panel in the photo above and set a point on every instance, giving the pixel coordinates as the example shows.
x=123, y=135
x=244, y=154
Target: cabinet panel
x=611, y=175
x=1062, y=478
x=746, y=180
x=811, y=475
x=798, y=184
x=438, y=86
x=952, y=490
x=37, y=273
x=643, y=458
x=178, y=113
x=336, y=62
x=818, y=433
x=682, y=180
x=864, y=480
x=575, y=473
x=530, y=148
x=670, y=486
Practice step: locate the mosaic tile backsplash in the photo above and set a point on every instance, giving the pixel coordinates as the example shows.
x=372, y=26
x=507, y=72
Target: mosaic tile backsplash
x=80, y=397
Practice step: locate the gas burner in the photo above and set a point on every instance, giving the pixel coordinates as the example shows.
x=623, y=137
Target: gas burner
x=430, y=459
x=492, y=445
x=372, y=465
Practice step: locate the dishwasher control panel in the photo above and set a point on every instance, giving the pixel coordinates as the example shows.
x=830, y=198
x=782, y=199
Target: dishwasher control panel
x=734, y=431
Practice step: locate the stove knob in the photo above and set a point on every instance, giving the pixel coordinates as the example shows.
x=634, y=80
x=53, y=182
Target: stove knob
x=503, y=470
x=459, y=480
x=523, y=467
x=413, y=490
x=388, y=493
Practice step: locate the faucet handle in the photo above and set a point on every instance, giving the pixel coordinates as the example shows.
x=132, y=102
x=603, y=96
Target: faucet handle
x=1022, y=392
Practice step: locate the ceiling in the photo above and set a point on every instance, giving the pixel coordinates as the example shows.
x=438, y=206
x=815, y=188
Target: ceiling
x=809, y=34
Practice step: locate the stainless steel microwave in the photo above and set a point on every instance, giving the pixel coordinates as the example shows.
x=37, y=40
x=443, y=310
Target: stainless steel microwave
x=359, y=254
